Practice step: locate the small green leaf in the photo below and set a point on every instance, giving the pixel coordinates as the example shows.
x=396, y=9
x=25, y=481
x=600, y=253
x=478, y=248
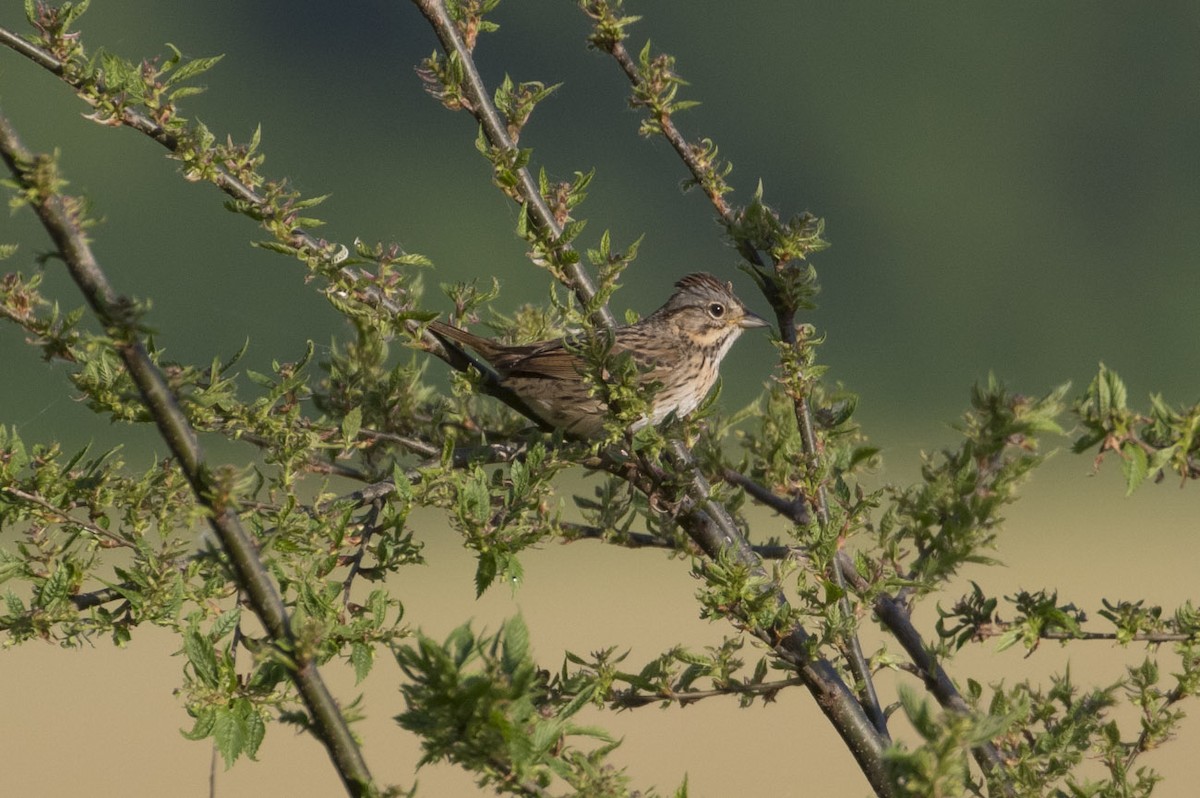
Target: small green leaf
x=53, y=592
x=485, y=572
x=918, y=712
x=1135, y=464
x=516, y=644
x=351, y=425
x=362, y=657
x=229, y=734
x=206, y=720
x=193, y=68
x=255, y=729
x=833, y=593
x=1009, y=639
x=225, y=623
x=200, y=654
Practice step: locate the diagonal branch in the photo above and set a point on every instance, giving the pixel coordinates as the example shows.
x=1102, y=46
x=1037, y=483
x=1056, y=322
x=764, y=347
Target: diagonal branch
x=792, y=645
x=707, y=522
x=496, y=131
x=118, y=317
x=891, y=612
x=65, y=517
x=795, y=510
x=633, y=700
x=132, y=118
x=301, y=240
x=787, y=329
x=895, y=615
x=639, y=540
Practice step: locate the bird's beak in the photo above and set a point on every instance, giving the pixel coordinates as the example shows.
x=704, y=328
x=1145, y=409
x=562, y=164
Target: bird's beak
x=752, y=320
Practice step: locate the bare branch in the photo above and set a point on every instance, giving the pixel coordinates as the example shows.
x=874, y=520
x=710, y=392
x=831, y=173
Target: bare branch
x=795, y=510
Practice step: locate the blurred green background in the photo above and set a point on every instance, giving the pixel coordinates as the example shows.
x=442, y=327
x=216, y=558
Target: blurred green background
x=1010, y=187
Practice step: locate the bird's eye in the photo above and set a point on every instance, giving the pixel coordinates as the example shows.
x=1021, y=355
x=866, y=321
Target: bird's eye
x=716, y=310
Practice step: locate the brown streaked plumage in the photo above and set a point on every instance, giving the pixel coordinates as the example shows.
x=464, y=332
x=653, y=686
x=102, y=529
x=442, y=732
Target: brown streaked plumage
x=680, y=346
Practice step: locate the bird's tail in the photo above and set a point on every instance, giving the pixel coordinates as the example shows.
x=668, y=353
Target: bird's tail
x=450, y=334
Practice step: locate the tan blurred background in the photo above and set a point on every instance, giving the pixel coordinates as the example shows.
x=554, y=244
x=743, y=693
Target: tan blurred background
x=1010, y=188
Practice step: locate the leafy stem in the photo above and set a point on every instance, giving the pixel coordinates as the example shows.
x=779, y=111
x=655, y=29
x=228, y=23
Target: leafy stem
x=114, y=312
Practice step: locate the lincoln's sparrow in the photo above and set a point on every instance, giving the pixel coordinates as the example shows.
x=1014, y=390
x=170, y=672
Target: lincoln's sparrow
x=679, y=346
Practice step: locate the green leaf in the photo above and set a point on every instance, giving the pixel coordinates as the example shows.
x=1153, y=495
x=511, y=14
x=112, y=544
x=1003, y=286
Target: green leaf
x=73, y=11
x=1135, y=464
x=121, y=75
x=377, y=606
x=13, y=604
x=184, y=92
x=362, y=657
x=833, y=593
x=351, y=425
x=918, y=712
x=516, y=644
x=230, y=732
x=225, y=623
x=193, y=68
x=238, y=730
x=1009, y=639
x=206, y=720
x=200, y=654
x=54, y=591
x=485, y=572
x=10, y=567
x=255, y=729
x=513, y=571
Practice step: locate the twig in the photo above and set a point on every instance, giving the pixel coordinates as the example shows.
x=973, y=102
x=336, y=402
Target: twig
x=314, y=464
x=637, y=540
x=142, y=123
x=65, y=517
x=223, y=179
x=1174, y=696
x=496, y=131
x=300, y=239
x=31, y=51
x=84, y=601
x=115, y=314
x=791, y=646
x=414, y=445
x=630, y=699
x=795, y=510
x=894, y=614
x=999, y=628
x=787, y=328
x=368, y=529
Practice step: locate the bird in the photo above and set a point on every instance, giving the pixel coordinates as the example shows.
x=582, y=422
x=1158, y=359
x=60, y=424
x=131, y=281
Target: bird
x=679, y=346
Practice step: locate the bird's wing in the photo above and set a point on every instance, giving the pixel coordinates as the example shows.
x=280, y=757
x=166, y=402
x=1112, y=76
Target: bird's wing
x=550, y=359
